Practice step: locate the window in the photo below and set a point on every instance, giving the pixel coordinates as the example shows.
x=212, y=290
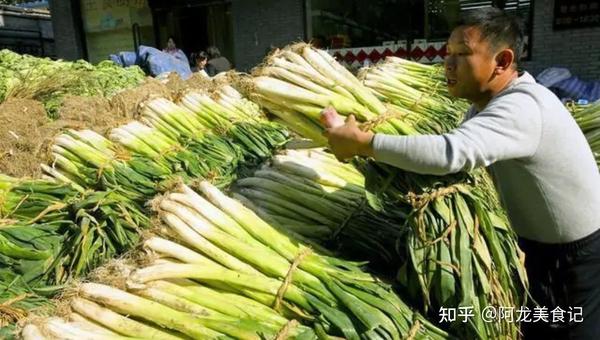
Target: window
x=443, y=14
x=358, y=23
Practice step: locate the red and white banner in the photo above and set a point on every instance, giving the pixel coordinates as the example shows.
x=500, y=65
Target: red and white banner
x=421, y=51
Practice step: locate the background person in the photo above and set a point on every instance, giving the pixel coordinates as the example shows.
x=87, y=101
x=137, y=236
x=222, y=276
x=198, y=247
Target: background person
x=172, y=49
x=217, y=62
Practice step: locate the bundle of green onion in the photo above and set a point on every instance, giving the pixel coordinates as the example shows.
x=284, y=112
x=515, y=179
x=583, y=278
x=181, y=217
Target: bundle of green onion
x=442, y=209
x=80, y=236
x=88, y=160
x=33, y=199
x=312, y=195
x=138, y=160
x=588, y=119
x=296, y=83
x=206, y=156
x=106, y=224
x=228, y=113
x=418, y=90
x=28, y=253
x=224, y=138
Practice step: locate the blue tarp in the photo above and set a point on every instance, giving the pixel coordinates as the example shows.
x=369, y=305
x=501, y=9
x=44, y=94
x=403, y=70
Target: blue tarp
x=154, y=61
x=567, y=86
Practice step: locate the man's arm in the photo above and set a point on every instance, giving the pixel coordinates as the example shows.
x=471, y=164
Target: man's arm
x=508, y=128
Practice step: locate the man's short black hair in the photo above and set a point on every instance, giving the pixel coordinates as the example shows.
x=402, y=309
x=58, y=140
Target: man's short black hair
x=497, y=27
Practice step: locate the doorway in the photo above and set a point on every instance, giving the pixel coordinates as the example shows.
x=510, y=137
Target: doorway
x=194, y=25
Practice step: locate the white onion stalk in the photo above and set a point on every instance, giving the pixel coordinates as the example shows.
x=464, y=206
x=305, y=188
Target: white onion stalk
x=201, y=244
x=225, y=303
x=88, y=325
x=130, y=304
x=275, y=88
x=55, y=175
x=72, y=331
x=95, y=140
x=289, y=164
x=225, y=276
x=290, y=209
x=308, y=72
x=154, y=121
x=175, y=302
x=176, y=251
x=282, y=73
x=255, y=254
x=131, y=142
x=158, y=112
x=190, y=198
x=32, y=332
x=149, y=135
x=299, y=123
x=117, y=322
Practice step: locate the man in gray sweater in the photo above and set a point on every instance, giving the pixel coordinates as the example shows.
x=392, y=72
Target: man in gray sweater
x=539, y=159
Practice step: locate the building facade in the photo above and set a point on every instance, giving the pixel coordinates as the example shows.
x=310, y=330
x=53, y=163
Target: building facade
x=356, y=32
x=27, y=31
x=577, y=48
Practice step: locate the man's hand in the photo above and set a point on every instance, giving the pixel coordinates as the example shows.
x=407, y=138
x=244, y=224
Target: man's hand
x=346, y=140
x=330, y=118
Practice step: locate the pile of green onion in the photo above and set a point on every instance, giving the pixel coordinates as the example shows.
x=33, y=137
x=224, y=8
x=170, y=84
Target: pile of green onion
x=588, y=118
x=226, y=273
x=312, y=195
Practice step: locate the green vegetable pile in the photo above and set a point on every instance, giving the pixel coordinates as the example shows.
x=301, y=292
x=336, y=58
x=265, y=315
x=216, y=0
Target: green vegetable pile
x=48, y=81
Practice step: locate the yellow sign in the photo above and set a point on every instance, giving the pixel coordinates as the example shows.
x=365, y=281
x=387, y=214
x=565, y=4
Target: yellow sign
x=107, y=25
x=106, y=15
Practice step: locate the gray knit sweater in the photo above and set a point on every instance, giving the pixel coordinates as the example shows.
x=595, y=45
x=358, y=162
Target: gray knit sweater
x=540, y=162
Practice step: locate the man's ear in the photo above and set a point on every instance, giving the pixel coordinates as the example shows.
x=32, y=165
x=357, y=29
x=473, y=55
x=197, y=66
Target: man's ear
x=505, y=59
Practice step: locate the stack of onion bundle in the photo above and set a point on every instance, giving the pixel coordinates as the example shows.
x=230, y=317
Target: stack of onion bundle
x=588, y=119
x=417, y=89
x=225, y=111
x=204, y=156
x=224, y=252
x=86, y=159
x=172, y=308
x=53, y=234
x=310, y=194
x=33, y=199
x=449, y=210
x=296, y=83
x=96, y=227
x=137, y=160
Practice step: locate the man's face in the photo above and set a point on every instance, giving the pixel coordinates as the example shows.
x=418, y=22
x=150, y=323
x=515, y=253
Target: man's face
x=469, y=64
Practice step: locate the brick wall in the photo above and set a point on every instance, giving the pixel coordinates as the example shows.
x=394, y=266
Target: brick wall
x=67, y=37
x=576, y=49
x=260, y=24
